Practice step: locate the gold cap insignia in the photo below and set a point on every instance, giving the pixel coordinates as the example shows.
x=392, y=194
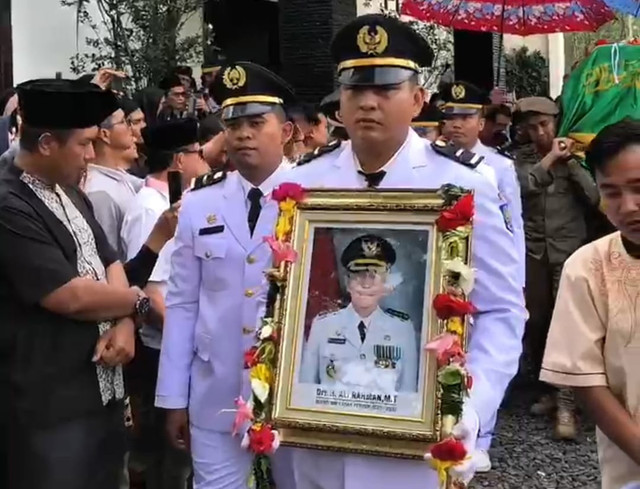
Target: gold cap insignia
x=458, y=92
x=370, y=248
x=211, y=219
x=234, y=77
x=372, y=40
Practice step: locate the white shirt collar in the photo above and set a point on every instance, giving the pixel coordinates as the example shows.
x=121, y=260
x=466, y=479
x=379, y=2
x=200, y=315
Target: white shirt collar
x=268, y=185
x=366, y=321
x=388, y=163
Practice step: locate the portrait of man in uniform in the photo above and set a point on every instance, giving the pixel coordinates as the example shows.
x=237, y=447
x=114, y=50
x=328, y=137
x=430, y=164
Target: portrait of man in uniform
x=363, y=345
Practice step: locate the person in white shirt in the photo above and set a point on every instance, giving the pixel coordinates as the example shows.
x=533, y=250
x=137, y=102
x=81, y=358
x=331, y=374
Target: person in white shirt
x=170, y=146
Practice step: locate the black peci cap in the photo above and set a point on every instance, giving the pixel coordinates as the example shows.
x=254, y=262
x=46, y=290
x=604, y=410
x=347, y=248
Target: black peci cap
x=171, y=135
x=64, y=104
x=430, y=116
x=128, y=106
x=246, y=89
x=170, y=81
x=368, y=252
x=379, y=50
x=462, y=98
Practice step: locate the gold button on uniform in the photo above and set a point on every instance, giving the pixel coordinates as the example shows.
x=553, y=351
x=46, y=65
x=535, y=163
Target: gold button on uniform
x=247, y=331
x=251, y=259
x=248, y=293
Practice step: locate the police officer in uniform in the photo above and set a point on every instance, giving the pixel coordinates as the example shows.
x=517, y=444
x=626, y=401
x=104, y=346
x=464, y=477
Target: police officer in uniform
x=463, y=110
x=216, y=294
x=362, y=344
x=378, y=61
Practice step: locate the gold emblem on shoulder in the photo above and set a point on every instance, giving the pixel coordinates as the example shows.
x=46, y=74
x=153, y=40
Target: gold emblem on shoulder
x=458, y=92
x=372, y=40
x=370, y=248
x=211, y=219
x=234, y=77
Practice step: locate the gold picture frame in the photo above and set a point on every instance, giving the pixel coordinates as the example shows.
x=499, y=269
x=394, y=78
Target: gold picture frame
x=324, y=426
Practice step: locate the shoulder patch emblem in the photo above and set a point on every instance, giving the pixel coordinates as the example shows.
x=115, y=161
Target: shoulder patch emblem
x=506, y=215
x=457, y=154
x=397, y=314
x=209, y=179
x=318, y=152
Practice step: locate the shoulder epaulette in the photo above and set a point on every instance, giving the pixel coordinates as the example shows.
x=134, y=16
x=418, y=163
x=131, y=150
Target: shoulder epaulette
x=318, y=152
x=503, y=151
x=397, y=314
x=457, y=154
x=211, y=178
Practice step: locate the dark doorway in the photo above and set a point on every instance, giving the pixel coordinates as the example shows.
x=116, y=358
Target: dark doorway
x=6, y=47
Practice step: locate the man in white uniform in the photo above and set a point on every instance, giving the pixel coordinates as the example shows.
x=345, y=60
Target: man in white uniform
x=170, y=146
x=378, y=60
x=362, y=345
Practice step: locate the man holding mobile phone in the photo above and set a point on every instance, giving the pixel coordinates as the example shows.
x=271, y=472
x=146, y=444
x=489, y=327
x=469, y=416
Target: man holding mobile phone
x=173, y=161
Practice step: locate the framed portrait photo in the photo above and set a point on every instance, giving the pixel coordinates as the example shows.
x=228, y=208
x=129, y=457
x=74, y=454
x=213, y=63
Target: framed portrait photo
x=355, y=311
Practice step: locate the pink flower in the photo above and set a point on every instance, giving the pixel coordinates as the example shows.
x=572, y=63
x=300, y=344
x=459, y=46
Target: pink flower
x=244, y=413
x=286, y=191
x=282, y=252
x=447, y=349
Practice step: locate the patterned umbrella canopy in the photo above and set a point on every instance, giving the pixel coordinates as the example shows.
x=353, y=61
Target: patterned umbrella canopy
x=627, y=7
x=520, y=17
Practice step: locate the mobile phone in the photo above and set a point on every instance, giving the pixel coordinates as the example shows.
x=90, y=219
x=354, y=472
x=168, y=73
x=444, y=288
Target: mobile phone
x=117, y=84
x=174, y=179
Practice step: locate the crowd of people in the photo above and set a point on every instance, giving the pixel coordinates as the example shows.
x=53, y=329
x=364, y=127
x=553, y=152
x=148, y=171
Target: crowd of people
x=132, y=258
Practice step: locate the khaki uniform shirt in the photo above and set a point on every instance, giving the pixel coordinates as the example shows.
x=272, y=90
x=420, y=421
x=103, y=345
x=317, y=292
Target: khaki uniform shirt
x=554, y=203
x=594, y=339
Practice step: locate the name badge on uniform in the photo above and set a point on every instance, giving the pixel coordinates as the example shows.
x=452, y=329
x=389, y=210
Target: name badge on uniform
x=211, y=230
x=337, y=341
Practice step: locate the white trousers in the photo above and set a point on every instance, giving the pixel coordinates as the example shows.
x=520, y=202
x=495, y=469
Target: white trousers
x=316, y=469
x=220, y=463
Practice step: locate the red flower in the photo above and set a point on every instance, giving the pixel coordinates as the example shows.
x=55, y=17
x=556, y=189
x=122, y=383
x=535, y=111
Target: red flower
x=261, y=440
x=452, y=354
x=286, y=191
x=251, y=357
x=460, y=214
x=449, y=450
x=447, y=306
x=602, y=42
x=469, y=382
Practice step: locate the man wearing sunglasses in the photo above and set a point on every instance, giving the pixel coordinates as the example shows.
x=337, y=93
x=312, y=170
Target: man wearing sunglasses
x=109, y=186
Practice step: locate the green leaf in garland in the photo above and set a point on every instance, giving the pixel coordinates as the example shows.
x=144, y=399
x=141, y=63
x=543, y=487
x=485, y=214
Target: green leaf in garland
x=451, y=375
x=451, y=400
x=451, y=193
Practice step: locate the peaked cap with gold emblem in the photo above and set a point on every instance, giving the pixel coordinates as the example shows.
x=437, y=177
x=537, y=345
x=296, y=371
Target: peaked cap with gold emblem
x=245, y=89
x=368, y=252
x=379, y=50
x=430, y=116
x=462, y=98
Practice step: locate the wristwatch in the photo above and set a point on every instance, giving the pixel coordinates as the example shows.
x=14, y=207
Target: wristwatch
x=143, y=306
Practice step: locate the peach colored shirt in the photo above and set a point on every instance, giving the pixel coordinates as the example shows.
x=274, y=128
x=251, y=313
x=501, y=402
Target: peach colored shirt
x=594, y=339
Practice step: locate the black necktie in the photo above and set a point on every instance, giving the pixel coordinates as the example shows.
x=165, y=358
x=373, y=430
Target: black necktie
x=362, y=329
x=373, y=179
x=255, y=194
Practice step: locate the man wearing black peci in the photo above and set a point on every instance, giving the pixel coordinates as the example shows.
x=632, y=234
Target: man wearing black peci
x=67, y=306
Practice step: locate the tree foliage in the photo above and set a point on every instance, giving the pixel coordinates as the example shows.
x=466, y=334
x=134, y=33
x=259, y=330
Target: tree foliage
x=144, y=38
x=527, y=73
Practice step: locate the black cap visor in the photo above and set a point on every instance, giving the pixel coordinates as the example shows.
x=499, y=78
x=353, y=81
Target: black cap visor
x=374, y=76
x=450, y=111
x=247, y=110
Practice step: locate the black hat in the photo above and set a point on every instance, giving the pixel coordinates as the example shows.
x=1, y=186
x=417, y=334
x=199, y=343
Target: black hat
x=368, y=252
x=379, y=50
x=171, y=135
x=64, y=104
x=128, y=106
x=213, y=60
x=245, y=89
x=330, y=106
x=170, y=81
x=462, y=98
x=430, y=116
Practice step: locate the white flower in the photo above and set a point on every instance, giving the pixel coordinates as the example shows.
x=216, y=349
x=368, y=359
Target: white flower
x=244, y=444
x=266, y=331
x=260, y=389
x=466, y=274
x=276, y=441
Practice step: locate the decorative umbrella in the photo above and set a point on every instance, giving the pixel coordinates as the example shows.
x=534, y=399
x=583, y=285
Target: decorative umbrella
x=519, y=17
x=627, y=7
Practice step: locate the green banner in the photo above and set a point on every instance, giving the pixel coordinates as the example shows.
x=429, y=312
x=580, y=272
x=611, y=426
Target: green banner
x=603, y=89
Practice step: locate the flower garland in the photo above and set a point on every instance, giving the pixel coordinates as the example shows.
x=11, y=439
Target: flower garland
x=451, y=306
x=261, y=439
